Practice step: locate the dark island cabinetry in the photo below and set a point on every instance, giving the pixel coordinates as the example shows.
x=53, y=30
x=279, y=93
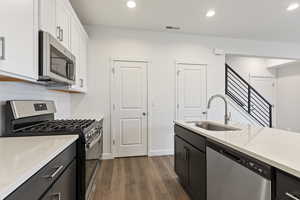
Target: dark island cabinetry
x=190, y=162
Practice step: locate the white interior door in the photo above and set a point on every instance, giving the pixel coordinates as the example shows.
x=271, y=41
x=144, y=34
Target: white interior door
x=129, y=98
x=191, y=92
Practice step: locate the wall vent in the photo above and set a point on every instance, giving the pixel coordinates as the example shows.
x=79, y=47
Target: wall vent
x=173, y=27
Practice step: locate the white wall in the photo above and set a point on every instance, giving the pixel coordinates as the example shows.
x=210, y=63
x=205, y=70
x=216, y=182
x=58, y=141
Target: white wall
x=250, y=66
x=278, y=62
x=25, y=91
x=288, y=95
x=162, y=49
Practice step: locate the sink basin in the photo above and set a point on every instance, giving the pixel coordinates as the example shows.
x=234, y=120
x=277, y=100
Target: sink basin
x=212, y=126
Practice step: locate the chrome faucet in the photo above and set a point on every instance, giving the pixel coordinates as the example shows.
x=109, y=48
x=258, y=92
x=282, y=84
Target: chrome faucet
x=227, y=116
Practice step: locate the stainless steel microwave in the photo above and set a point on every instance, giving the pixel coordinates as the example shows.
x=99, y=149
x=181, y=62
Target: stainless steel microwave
x=56, y=63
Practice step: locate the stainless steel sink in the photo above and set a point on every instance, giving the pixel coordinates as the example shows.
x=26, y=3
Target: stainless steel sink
x=212, y=126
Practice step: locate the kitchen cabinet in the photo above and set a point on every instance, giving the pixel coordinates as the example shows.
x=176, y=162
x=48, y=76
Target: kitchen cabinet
x=83, y=64
x=190, y=163
x=47, y=17
x=63, y=23
x=58, y=177
x=65, y=186
x=287, y=186
x=55, y=18
x=180, y=160
x=79, y=49
x=58, y=18
x=19, y=39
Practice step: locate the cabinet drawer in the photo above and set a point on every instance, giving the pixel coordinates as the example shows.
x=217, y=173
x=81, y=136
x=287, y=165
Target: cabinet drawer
x=194, y=139
x=65, y=187
x=42, y=180
x=287, y=186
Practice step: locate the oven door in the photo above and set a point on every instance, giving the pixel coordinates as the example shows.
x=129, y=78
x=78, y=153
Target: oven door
x=56, y=63
x=92, y=163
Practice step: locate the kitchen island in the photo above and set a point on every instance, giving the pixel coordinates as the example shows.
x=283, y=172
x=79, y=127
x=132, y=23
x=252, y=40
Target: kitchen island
x=277, y=149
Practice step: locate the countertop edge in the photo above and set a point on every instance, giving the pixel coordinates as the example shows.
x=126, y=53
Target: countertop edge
x=268, y=161
x=22, y=179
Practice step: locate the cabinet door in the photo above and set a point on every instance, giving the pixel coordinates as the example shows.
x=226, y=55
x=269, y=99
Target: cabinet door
x=63, y=22
x=47, y=17
x=83, y=63
x=287, y=186
x=65, y=187
x=181, y=160
x=19, y=37
x=196, y=173
x=75, y=48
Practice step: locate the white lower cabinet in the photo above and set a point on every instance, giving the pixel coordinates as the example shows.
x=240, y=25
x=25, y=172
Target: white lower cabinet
x=19, y=38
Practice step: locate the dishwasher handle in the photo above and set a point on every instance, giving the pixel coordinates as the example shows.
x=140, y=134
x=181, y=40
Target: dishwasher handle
x=230, y=155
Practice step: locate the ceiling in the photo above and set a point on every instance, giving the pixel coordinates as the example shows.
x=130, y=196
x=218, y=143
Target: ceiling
x=250, y=19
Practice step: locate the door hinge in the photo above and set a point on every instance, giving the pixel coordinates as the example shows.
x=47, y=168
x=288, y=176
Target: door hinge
x=273, y=84
x=114, y=107
x=113, y=70
x=114, y=142
x=178, y=72
x=177, y=106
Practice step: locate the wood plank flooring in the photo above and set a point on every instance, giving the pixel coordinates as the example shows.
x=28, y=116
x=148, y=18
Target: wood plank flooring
x=139, y=178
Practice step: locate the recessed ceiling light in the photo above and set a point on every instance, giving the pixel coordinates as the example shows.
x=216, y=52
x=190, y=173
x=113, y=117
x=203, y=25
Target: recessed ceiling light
x=292, y=6
x=131, y=4
x=210, y=13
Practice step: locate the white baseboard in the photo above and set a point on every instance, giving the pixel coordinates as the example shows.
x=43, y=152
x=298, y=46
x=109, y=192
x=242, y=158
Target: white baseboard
x=107, y=156
x=161, y=152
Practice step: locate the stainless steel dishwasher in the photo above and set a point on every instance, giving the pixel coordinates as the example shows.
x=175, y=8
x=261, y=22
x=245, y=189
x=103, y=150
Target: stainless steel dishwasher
x=232, y=175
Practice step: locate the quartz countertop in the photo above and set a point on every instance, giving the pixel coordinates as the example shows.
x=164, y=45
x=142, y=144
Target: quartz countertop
x=275, y=147
x=22, y=157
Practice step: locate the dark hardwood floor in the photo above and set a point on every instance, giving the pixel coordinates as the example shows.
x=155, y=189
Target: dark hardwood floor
x=139, y=178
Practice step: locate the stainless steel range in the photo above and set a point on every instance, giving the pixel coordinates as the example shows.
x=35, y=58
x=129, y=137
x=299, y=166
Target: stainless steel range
x=36, y=118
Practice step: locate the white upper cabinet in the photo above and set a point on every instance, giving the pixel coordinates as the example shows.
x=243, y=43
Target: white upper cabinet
x=47, y=17
x=58, y=18
x=63, y=22
x=83, y=63
x=19, y=38
x=20, y=22
x=55, y=18
x=79, y=49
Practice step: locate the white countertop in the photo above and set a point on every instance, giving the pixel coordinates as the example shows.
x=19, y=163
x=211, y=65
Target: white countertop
x=275, y=147
x=22, y=157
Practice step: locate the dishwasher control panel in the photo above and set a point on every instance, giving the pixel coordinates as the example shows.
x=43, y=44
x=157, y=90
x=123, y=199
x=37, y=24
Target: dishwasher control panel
x=251, y=163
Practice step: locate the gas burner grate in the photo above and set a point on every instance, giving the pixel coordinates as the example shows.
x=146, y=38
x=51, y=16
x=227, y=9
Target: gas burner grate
x=60, y=125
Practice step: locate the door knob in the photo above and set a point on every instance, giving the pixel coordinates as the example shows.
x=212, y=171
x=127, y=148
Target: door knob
x=144, y=114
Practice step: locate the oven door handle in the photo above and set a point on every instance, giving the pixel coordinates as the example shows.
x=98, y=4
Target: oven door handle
x=90, y=145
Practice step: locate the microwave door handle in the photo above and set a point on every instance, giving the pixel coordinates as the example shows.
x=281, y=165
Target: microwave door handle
x=58, y=32
x=62, y=35
x=68, y=70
